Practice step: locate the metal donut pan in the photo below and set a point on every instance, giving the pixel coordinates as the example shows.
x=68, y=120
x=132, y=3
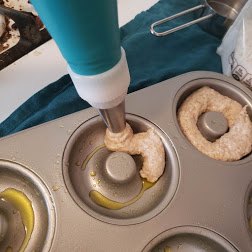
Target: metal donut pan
x=209, y=204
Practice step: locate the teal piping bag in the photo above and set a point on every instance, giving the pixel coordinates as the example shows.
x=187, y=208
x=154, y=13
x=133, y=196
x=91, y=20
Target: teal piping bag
x=87, y=34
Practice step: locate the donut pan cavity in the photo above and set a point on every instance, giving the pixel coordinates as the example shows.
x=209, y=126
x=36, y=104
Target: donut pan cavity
x=115, y=174
x=19, y=179
x=199, y=204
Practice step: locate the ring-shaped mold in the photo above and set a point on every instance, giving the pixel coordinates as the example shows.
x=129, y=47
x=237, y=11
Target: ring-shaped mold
x=189, y=239
x=85, y=148
x=225, y=88
x=25, y=202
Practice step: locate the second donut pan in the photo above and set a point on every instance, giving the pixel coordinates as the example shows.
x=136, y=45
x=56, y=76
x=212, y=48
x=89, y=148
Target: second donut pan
x=199, y=204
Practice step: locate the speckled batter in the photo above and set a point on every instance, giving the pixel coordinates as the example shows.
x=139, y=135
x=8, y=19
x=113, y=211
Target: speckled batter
x=148, y=144
x=233, y=145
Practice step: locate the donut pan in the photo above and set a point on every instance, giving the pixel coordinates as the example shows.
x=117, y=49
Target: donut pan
x=86, y=198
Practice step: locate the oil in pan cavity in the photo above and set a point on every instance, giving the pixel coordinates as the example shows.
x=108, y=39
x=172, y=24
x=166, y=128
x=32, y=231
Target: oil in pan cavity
x=109, y=187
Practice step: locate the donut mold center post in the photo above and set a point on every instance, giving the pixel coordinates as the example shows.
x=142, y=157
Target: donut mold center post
x=212, y=125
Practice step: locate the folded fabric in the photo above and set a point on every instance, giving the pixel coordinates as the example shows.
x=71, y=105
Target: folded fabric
x=151, y=59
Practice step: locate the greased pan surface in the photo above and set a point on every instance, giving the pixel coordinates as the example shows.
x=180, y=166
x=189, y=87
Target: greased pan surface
x=203, y=204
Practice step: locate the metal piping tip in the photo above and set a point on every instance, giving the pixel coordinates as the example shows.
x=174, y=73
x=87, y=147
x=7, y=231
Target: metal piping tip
x=114, y=117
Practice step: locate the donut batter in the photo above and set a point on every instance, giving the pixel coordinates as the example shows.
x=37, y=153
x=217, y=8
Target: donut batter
x=148, y=144
x=234, y=144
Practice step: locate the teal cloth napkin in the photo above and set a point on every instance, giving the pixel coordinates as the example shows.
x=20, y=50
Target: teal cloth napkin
x=151, y=60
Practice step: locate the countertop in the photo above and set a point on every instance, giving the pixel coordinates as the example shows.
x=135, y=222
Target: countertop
x=45, y=64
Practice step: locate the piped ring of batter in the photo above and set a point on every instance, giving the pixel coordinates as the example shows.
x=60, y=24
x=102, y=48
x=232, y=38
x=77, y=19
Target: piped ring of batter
x=148, y=144
x=231, y=146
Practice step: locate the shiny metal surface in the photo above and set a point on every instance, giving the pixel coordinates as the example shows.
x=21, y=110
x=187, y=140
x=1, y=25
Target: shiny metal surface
x=18, y=177
x=14, y=232
x=3, y=225
x=180, y=27
x=212, y=125
x=87, y=170
x=215, y=16
x=120, y=167
x=189, y=239
x=227, y=8
x=248, y=209
x=207, y=194
x=114, y=118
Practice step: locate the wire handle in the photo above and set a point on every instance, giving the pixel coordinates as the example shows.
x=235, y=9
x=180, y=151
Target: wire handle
x=180, y=27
